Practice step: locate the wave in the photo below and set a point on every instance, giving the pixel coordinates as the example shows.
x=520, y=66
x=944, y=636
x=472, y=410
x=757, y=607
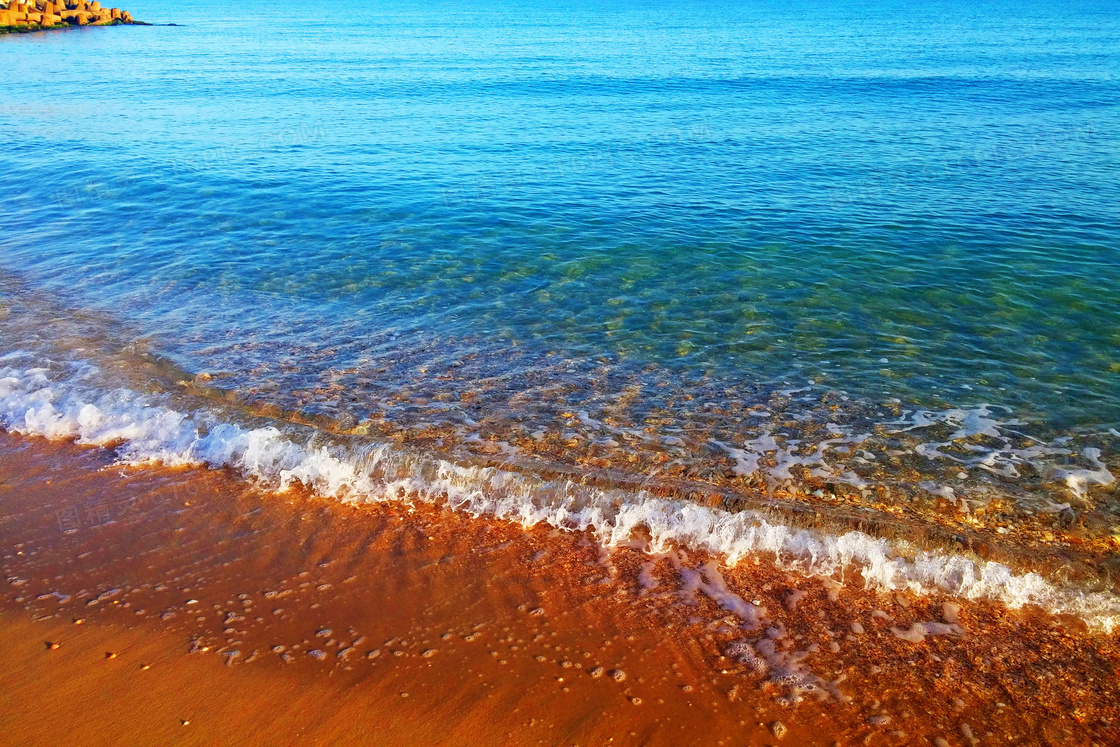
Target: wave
x=75, y=401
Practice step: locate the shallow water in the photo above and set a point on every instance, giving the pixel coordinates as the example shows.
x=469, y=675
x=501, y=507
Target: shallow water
x=833, y=253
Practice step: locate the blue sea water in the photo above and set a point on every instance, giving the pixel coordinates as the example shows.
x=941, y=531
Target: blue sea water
x=689, y=207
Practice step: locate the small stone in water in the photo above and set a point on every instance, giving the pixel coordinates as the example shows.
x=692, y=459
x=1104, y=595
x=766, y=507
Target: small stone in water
x=617, y=675
x=778, y=729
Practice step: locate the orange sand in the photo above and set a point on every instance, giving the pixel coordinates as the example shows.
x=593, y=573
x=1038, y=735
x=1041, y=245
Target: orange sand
x=436, y=627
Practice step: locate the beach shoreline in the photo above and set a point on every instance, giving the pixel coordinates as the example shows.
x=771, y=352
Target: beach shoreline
x=479, y=628
x=478, y=373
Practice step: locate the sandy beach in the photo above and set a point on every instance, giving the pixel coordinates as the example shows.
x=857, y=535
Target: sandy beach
x=191, y=607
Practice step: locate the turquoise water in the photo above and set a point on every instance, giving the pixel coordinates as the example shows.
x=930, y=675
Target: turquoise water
x=688, y=208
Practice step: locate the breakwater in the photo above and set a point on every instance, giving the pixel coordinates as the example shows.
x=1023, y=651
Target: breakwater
x=17, y=16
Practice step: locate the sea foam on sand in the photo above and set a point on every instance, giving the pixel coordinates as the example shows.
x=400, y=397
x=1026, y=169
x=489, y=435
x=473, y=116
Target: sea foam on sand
x=72, y=402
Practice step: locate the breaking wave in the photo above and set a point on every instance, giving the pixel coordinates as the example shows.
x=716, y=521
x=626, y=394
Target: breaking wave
x=74, y=402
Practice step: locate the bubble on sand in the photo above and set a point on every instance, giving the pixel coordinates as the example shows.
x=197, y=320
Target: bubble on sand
x=744, y=653
x=754, y=664
x=737, y=648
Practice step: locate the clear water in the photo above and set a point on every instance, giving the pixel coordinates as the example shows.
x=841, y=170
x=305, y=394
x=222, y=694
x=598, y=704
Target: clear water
x=465, y=223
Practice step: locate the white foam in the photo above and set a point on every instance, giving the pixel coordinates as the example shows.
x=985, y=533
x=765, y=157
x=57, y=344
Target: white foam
x=709, y=580
x=1079, y=480
x=67, y=404
x=748, y=457
x=762, y=657
x=919, y=630
x=1002, y=459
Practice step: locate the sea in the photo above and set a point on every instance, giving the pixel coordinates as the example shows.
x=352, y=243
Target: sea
x=831, y=282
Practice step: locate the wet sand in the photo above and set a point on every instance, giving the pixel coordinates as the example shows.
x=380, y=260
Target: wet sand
x=191, y=596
